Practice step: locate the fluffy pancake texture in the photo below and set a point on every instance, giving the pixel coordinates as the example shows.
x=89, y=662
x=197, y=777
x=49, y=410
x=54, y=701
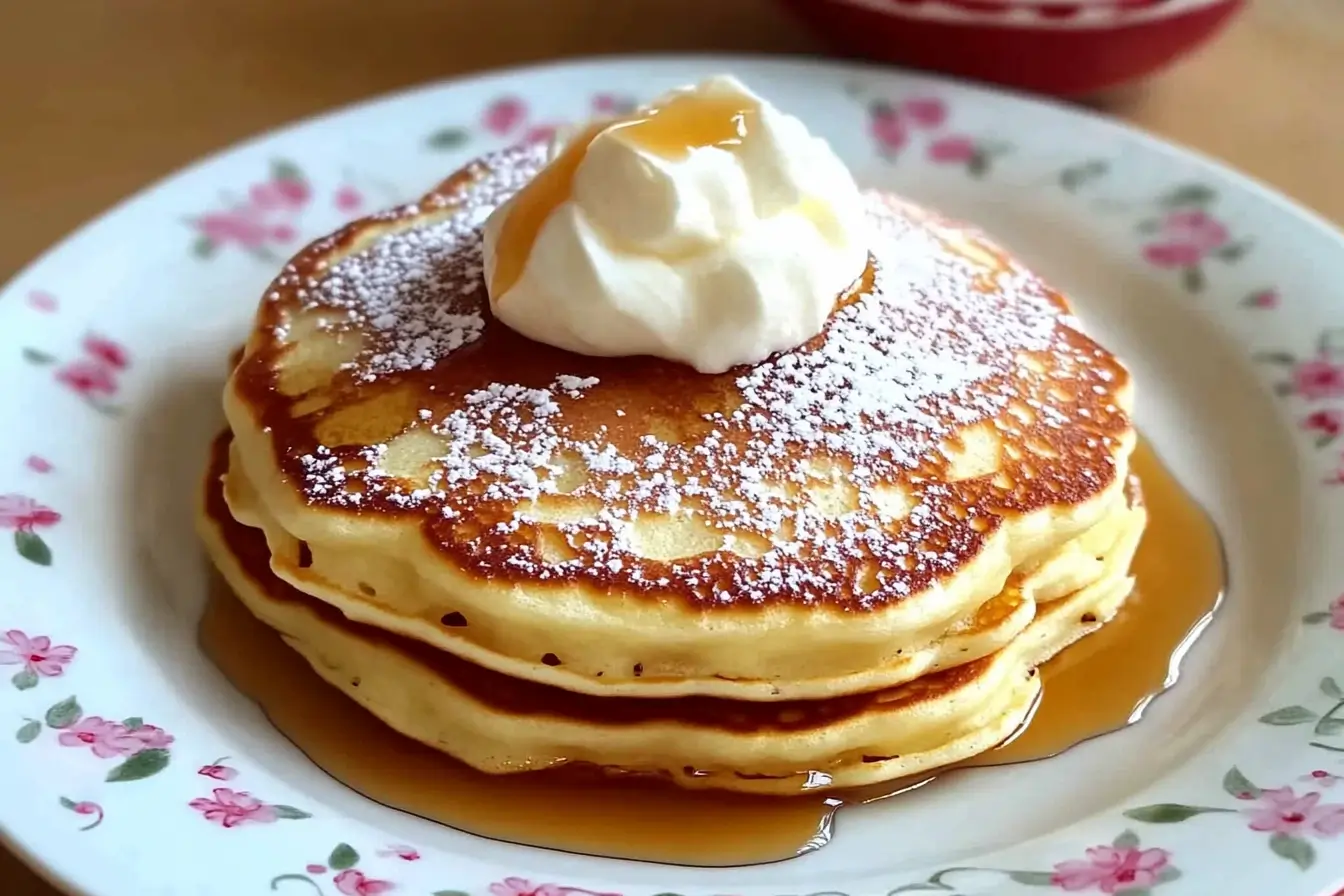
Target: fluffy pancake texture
x=830, y=522
x=498, y=723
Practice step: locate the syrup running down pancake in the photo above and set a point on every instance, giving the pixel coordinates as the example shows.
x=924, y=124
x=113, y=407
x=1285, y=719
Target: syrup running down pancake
x=501, y=724
x=815, y=526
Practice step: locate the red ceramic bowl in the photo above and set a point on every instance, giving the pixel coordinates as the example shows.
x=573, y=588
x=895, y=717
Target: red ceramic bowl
x=1066, y=48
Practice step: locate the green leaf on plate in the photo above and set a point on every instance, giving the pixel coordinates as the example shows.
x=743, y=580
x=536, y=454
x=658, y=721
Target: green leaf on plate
x=1032, y=878
x=67, y=803
x=1126, y=839
x=1149, y=225
x=1329, y=727
x=1332, y=341
x=31, y=547
x=343, y=857
x=1232, y=251
x=1168, y=874
x=1331, y=688
x=284, y=169
x=978, y=164
x=133, y=723
x=448, y=138
x=28, y=732
x=1188, y=194
x=1192, y=278
x=1168, y=813
x=1275, y=357
x=1238, y=785
x=1075, y=176
x=141, y=765
x=64, y=714
x=204, y=247
x=1316, y=618
x=34, y=356
x=290, y=812
x=1294, y=849
x=283, y=878
x=24, y=679
x=450, y=893
x=1289, y=715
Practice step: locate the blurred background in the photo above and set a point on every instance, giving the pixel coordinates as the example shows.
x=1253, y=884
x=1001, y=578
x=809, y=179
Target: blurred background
x=104, y=96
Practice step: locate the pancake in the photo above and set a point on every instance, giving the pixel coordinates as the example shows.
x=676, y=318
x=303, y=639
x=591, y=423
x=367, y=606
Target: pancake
x=501, y=724
x=816, y=525
x=985, y=630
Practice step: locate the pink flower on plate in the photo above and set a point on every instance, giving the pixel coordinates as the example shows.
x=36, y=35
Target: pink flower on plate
x=86, y=808
x=401, y=851
x=521, y=886
x=355, y=883
x=106, y=737
x=38, y=464
x=952, y=150
x=887, y=128
x=925, y=112
x=1327, y=423
x=36, y=654
x=1318, y=378
x=1264, y=298
x=538, y=133
x=280, y=193
x=315, y=869
x=41, y=300
x=25, y=514
x=108, y=352
x=1321, y=778
x=88, y=377
x=348, y=199
x=1110, y=869
x=1337, y=605
x=612, y=104
x=1281, y=811
x=230, y=808
x=217, y=771
x=282, y=233
x=151, y=737
x=239, y=226
x=1186, y=237
x=503, y=115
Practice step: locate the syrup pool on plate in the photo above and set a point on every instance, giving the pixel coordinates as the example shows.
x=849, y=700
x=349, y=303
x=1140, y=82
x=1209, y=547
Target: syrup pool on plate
x=1098, y=685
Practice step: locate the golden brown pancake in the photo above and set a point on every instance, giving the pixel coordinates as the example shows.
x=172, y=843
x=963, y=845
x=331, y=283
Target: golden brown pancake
x=502, y=724
x=627, y=526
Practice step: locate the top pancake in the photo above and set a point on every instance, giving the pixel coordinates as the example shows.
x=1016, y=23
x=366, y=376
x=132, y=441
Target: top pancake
x=630, y=518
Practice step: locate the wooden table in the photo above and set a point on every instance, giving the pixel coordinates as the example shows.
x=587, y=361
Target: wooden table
x=112, y=95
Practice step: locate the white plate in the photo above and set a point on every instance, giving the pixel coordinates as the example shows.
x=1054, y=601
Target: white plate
x=1223, y=297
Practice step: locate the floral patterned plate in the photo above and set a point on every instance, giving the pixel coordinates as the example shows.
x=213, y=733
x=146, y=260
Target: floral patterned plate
x=128, y=764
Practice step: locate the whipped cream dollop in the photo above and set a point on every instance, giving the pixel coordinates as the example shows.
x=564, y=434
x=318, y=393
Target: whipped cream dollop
x=707, y=228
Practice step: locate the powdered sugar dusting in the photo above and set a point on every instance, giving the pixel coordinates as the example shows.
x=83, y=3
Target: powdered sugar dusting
x=935, y=343
x=409, y=291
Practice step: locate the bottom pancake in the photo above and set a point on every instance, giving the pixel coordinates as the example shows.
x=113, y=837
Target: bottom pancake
x=500, y=724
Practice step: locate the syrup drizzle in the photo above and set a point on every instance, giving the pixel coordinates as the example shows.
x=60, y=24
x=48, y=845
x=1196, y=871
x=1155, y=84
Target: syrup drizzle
x=671, y=130
x=1099, y=685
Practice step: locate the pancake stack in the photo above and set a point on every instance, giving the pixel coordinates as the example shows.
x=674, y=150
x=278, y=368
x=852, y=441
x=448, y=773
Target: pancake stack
x=840, y=566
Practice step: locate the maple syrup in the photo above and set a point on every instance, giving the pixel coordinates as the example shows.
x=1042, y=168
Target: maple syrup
x=670, y=130
x=1098, y=685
